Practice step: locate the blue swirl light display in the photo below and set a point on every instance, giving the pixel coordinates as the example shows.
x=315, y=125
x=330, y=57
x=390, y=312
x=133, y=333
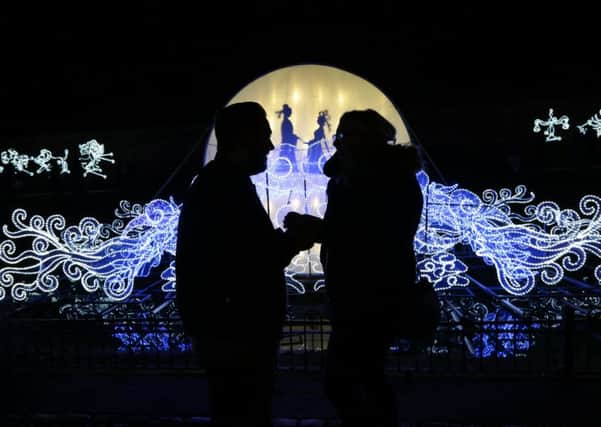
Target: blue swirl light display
x=295, y=182
x=536, y=246
x=99, y=256
x=503, y=336
x=542, y=243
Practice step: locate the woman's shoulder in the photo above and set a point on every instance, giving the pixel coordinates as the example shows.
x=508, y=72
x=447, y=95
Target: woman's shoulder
x=405, y=156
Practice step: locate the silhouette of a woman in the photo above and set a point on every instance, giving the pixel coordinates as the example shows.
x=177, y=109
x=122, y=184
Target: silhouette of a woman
x=316, y=151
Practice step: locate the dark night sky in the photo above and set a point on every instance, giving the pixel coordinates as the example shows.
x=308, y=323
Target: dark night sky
x=153, y=62
x=468, y=79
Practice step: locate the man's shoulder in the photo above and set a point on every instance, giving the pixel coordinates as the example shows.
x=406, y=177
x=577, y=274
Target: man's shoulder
x=217, y=173
x=208, y=171
x=214, y=181
x=206, y=177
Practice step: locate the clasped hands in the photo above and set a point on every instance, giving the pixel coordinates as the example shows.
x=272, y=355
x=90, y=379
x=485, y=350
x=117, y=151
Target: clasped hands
x=305, y=229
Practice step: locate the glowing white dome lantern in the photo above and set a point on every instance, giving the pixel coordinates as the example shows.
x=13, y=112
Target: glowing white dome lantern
x=296, y=99
x=309, y=89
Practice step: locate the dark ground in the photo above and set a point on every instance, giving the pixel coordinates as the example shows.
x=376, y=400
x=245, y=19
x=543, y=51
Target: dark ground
x=131, y=398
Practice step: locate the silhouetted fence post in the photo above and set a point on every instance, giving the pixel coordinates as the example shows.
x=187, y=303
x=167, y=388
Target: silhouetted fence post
x=569, y=342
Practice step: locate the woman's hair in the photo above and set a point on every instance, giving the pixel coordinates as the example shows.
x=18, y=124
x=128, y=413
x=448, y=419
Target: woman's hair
x=323, y=118
x=372, y=125
x=412, y=160
x=377, y=132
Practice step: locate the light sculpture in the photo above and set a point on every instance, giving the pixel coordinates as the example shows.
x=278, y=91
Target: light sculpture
x=303, y=105
x=536, y=246
x=550, y=124
x=504, y=336
x=99, y=256
x=542, y=243
x=45, y=157
x=594, y=123
x=92, y=153
x=20, y=162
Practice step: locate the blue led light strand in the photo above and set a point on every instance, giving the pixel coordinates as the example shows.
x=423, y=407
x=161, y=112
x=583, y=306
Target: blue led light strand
x=99, y=256
x=594, y=123
x=542, y=243
x=538, y=244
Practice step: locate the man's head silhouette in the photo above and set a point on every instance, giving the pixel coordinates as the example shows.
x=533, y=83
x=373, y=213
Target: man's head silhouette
x=244, y=136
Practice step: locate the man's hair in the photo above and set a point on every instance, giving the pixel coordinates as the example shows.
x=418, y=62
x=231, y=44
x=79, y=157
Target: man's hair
x=235, y=121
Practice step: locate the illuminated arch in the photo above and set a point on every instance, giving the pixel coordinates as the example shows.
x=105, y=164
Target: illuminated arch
x=309, y=89
x=293, y=181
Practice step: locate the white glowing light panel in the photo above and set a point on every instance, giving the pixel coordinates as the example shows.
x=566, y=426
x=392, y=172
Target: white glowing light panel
x=550, y=124
x=537, y=245
x=594, y=123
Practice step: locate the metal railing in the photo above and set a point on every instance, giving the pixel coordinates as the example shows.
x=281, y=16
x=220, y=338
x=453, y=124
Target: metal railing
x=520, y=347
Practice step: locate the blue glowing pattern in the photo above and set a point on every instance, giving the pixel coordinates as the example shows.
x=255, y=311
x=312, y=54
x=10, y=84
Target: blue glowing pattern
x=538, y=245
x=504, y=336
x=550, y=124
x=300, y=187
x=142, y=340
x=100, y=256
x=542, y=243
x=594, y=123
x=168, y=275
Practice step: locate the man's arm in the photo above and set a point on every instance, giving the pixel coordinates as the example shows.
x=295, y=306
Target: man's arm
x=287, y=245
x=306, y=227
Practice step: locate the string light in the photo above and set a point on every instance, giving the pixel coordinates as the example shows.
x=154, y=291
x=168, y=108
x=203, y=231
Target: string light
x=99, y=256
x=92, y=153
x=594, y=123
x=542, y=243
x=535, y=246
x=550, y=124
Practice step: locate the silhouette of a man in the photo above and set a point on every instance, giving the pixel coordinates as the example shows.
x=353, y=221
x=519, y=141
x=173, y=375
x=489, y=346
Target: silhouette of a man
x=289, y=140
x=230, y=271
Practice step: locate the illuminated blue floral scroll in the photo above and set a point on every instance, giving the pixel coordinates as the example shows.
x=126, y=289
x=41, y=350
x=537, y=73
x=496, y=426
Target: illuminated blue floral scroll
x=550, y=124
x=594, y=123
x=99, y=256
x=536, y=244
x=542, y=243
